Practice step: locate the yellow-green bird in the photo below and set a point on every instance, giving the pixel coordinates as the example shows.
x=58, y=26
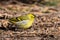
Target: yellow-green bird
x=24, y=21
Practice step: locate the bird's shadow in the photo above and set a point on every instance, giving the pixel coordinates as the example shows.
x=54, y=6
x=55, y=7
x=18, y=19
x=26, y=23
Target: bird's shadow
x=2, y=28
x=13, y=29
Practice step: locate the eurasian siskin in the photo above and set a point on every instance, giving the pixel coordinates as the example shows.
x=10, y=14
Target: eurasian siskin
x=24, y=21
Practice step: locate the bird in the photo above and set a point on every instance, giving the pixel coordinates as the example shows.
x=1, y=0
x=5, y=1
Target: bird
x=24, y=21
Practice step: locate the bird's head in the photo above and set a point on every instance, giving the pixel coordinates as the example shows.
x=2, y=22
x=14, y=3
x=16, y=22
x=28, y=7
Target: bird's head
x=31, y=16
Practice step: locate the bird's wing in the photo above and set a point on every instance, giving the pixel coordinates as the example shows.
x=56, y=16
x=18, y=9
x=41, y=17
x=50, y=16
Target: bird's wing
x=17, y=19
x=13, y=20
x=21, y=18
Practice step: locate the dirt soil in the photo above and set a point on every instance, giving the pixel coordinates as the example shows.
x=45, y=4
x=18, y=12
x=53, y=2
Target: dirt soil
x=45, y=27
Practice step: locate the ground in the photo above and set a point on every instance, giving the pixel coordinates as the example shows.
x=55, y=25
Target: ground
x=46, y=25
